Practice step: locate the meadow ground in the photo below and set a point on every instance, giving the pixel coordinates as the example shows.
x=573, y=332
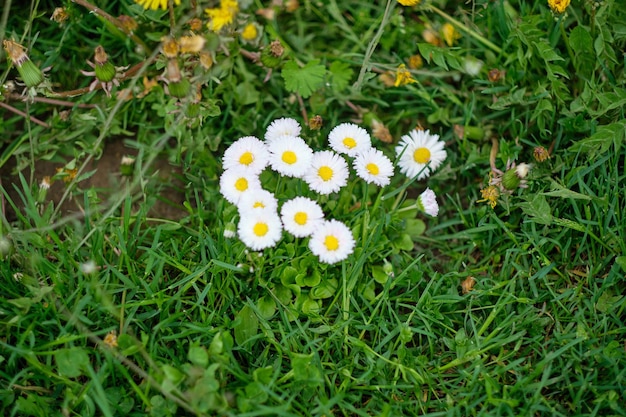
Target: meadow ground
x=313, y=208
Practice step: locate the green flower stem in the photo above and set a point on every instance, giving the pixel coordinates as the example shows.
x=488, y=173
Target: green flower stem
x=467, y=30
x=372, y=45
x=570, y=52
x=114, y=21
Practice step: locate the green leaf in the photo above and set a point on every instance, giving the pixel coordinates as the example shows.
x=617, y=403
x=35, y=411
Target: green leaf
x=304, y=368
x=306, y=80
x=560, y=191
x=198, y=355
x=601, y=141
x=442, y=57
x=72, y=362
x=246, y=325
x=538, y=209
x=341, y=73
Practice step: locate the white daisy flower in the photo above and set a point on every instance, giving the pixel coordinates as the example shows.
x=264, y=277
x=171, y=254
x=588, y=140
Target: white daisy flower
x=258, y=199
x=328, y=172
x=301, y=216
x=236, y=182
x=416, y=150
x=290, y=156
x=332, y=242
x=427, y=202
x=282, y=127
x=249, y=153
x=349, y=139
x=259, y=229
x=374, y=167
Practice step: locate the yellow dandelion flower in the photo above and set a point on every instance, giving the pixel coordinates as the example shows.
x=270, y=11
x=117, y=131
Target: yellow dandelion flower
x=558, y=6
x=403, y=76
x=450, y=34
x=223, y=15
x=249, y=32
x=490, y=195
x=155, y=4
x=409, y=2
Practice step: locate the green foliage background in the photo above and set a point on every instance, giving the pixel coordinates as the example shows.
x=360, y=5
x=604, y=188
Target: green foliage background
x=206, y=328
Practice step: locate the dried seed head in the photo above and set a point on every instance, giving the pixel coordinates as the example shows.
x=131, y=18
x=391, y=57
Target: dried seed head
x=316, y=122
x=100, y=56
x=173, y=71
x=206, y=60
x=170, y=47
x=416, y=61
x=59, y=15
x=381, y=132
x=495, y=75
x=128, y=23
x=195, y=24
x=191, y=44
x=15, y=51
x=541, y=154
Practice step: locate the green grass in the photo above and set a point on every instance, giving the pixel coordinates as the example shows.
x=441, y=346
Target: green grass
x=206, y=327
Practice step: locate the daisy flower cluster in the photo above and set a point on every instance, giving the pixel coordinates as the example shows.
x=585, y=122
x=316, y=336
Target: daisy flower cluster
x=285, y=152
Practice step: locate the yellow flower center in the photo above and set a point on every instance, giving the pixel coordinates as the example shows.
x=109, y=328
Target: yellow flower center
x=349, y=143
x=241, y=184
x=246, y=158
x=259, y=204
x=300, y=218
x=421, y=155
x=331, y=243
x=289, y=157
x=372, y=168
x=325, y=173
x=260, y=229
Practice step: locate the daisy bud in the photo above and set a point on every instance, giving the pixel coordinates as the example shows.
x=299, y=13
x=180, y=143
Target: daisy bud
x=105, y=71
x=30, y=74
x=271, y=56
x=427, y=202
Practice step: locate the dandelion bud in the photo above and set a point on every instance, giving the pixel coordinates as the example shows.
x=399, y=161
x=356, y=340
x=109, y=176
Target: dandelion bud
x=30, y=74
x=469, y=132
x=105, y=71
x=126, y=165
x=178, y=86
x=44, y=186
x=510, y=179
x=316, y=122
x=230, y=230
x=271, y=56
